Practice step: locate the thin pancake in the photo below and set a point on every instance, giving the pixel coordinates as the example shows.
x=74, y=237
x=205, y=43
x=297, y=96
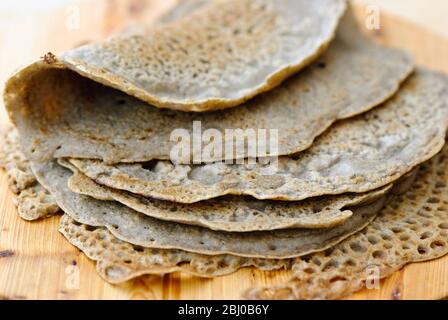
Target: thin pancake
x=412, y=228
x=139, y=229
x=74, y=117
x=233, y=214
x=32, y=200
x=118, y=261
x=229, y=214
x=246, y=47
x=356, y=155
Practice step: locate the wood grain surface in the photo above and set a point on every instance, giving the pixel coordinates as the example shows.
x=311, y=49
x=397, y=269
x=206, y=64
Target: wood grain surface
x=36, y=262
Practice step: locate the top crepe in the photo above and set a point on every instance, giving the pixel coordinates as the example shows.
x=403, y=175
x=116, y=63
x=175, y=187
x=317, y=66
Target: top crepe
x=218, y=57
x=71, y=116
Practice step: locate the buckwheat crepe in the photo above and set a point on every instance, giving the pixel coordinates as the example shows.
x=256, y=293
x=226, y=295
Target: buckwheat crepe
x=136, y=228
x=356, y=155
x=233, y=214
x=245, y=47
x=121, y=261
x=72, y=116
x=118, y=261
x=33, y=202
x=411, y=228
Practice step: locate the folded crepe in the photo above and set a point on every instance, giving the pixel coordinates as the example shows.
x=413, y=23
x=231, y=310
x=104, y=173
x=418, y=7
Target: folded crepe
x=244, y=47
x=61, y=113
x=355, y=155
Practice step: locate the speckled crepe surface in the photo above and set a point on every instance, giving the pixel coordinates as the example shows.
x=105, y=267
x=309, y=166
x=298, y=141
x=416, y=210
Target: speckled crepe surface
x=181, y=9
x=125, y=243
x=268, y=41
x=88, y=120
x=413, y=227
x=246, y=47
x=32, y=200
x=118, y=261
x=355, y=155
x=233, y=213
x=139, y=229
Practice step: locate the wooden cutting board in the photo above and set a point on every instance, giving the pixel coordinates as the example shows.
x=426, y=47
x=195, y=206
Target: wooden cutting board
x=36, y=262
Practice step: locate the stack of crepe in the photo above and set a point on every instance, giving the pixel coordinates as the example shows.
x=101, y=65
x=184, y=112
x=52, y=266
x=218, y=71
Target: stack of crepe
x=360, y=170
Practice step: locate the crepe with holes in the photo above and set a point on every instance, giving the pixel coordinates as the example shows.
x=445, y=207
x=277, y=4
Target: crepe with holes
x=33, y=202
x=233, y=213
x=118, y=261
x=412, y=227
x=139, y=229
x=89, y=120
x=355, y=155
x=121, y=261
